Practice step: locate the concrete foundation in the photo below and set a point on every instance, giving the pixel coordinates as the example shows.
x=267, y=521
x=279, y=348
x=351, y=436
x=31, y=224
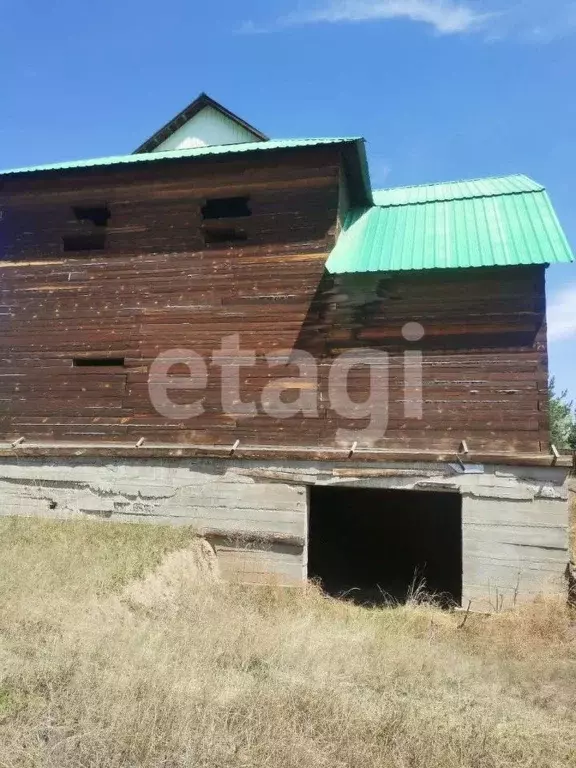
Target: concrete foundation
x=514, y=519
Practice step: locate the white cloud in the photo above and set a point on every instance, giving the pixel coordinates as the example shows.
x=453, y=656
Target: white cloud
x=446, y=16
x=535, y=21
x=562, y=315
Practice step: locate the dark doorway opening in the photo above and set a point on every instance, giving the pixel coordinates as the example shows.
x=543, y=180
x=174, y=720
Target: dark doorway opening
x=376, y=546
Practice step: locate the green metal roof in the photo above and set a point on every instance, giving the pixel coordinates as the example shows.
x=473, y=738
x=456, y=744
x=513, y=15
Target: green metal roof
x=150, y=157
x=456, y=190
x=483, y=223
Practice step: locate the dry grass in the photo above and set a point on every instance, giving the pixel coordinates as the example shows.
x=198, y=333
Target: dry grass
x=106, y=662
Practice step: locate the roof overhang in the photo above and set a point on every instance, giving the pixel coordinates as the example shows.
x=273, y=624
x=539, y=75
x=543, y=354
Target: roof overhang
x=498, y=222
x=352, y=148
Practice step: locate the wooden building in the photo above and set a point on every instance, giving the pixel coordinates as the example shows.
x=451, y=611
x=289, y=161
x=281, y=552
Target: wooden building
x=239, y=333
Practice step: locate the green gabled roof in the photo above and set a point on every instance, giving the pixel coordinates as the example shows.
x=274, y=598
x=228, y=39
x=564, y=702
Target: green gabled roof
x=179, y=154
x=504, y=221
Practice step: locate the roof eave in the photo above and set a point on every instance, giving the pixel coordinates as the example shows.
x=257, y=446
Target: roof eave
x=172, y=156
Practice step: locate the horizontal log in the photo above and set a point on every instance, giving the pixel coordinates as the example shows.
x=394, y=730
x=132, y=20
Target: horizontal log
x=117, y=450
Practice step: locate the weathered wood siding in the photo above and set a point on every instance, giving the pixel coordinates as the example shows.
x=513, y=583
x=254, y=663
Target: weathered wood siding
x=157, y=286
x=484, y=352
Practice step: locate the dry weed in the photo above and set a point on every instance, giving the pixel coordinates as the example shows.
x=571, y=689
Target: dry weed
x=131, y=666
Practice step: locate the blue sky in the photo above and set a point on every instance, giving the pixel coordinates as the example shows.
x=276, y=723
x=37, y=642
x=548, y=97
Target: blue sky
x=441, y=89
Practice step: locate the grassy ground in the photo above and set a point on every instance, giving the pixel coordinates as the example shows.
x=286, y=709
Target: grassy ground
x=119, y=648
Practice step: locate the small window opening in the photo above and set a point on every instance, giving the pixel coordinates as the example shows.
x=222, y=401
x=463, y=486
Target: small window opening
x=84, y=362
x=226, y=208
x=99, y=215
x=92, y=242
x=228, y=235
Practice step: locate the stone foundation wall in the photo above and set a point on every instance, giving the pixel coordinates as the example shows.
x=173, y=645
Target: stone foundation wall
x=514, y=519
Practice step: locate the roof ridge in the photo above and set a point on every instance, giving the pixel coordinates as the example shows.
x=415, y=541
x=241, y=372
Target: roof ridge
x=466, y=189
x=459, y=181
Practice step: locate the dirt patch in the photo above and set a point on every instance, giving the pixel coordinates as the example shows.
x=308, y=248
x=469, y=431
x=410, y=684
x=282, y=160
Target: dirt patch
x=179, y=572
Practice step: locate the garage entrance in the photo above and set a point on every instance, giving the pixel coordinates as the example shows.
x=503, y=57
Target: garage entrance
x=376, y=546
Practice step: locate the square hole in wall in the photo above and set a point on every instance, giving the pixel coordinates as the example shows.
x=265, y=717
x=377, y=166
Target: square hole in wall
x=99, y=215
x=226, y=208
x=99, y=362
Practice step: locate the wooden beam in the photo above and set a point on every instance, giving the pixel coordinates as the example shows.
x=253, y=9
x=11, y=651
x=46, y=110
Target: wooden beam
x=251, y=539
x=264, y=453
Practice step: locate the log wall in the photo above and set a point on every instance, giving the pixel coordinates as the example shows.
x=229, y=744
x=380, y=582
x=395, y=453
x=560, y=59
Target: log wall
x=157, y=286
x=484, y=352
